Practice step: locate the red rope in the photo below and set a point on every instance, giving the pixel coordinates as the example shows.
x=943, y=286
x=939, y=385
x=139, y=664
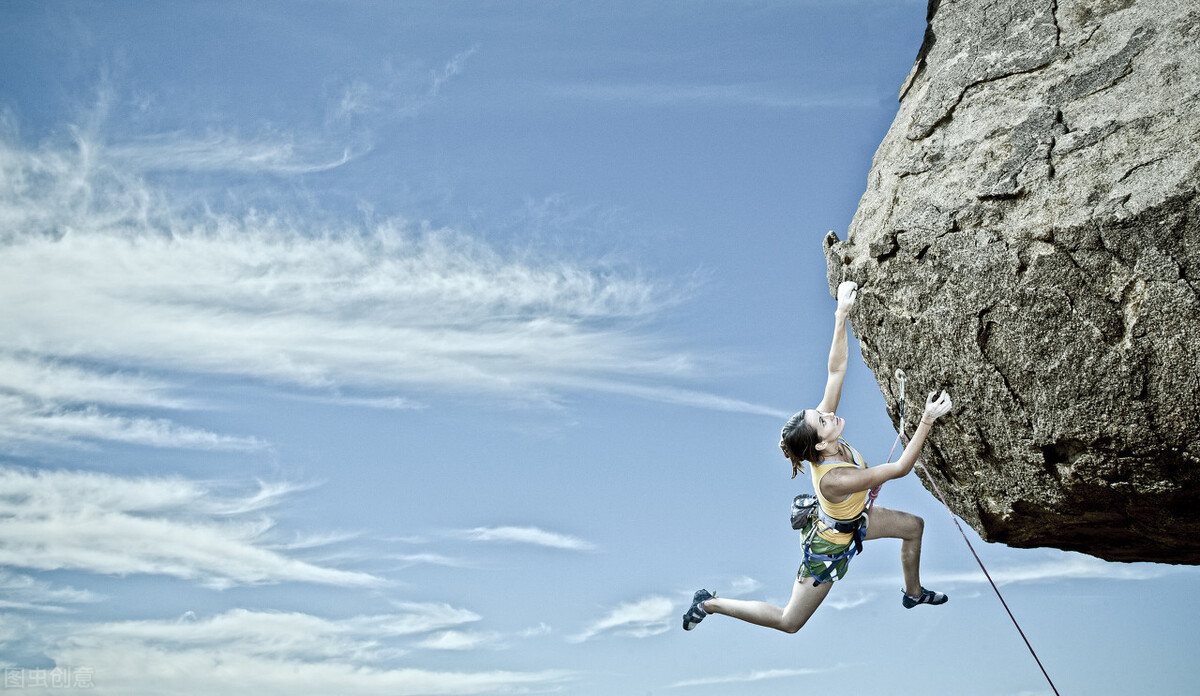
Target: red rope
x=874, y=492
x=977, y=560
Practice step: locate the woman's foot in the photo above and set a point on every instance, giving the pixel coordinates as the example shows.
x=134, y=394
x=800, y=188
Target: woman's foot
x=926, y=597
x=696, y=613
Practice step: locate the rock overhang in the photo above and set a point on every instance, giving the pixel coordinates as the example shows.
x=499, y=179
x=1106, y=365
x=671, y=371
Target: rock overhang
x=1030, y=240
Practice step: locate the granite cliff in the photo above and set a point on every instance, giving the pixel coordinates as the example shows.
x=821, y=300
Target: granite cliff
x=1030, y=241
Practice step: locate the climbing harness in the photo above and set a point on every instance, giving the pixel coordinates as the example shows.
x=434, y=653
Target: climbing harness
x=903, y=437
x=827, y=567
x=806, y=513
x=832, y=563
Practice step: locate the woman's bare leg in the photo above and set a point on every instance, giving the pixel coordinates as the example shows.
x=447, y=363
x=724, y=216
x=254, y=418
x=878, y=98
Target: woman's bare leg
x=894, y=524
x=805, y=600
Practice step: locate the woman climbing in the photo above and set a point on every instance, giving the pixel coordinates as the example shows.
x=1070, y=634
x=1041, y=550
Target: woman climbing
x=841, y=480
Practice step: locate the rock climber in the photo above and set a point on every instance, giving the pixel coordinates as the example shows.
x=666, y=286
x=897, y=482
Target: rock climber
x=841, y=480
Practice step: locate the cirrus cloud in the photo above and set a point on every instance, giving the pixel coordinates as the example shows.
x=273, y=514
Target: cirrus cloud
x=525, y=535
x=104, y=280
x=641, y=619
x=99, y=523
x=268, y=652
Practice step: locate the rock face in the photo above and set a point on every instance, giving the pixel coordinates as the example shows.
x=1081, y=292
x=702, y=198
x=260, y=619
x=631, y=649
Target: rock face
x=1030, y=241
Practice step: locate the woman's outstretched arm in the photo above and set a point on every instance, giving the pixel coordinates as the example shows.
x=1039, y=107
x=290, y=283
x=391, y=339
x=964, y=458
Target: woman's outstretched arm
x=841, y=482
x=838, y=352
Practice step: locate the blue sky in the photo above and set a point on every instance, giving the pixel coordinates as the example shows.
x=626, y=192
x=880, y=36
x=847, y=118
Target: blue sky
x=443, y=347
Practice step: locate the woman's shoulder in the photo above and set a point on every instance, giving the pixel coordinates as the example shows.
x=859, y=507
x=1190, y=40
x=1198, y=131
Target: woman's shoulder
x=833, y=464
x=847, y=457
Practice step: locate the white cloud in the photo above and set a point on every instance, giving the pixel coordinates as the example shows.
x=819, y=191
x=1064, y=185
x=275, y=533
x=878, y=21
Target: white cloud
x=750, y=677
x=1068, y=566
x=525, y=535
x=387, y=403
x=462, y=640
x=743, y=585
x=44, y=400
x=244, y=651
x=165, y=526
x=680, y=397
x=23, y=592
x=103, y=279
x=437, y=559
x=313, y=541
x=541, y=629
x=842, y=602
x=221, y=152
x=124, y=280
x=272, y=633
x=62, y=383
x=405, y=90
x=641, y=619
x=450, y=70
x=24, y=421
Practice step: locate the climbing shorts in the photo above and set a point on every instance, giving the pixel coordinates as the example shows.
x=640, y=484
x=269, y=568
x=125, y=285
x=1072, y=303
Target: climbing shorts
x=810, y=567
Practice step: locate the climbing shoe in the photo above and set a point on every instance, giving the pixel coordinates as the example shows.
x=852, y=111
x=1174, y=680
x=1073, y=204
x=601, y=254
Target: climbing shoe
x=696, y=613
x=927, y=597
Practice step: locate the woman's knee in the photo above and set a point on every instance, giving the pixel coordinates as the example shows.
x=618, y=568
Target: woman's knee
x=792, y=625
x=916, y=527
x=791, y=619
x=909, y=527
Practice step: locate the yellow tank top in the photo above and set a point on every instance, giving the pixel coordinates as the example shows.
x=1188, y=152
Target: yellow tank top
x=847, y=509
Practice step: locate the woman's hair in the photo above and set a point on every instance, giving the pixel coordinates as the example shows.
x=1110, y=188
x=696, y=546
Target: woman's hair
x=799, y=442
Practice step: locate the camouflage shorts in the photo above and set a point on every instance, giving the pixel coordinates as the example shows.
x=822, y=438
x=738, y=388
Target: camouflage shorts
x=811, y=568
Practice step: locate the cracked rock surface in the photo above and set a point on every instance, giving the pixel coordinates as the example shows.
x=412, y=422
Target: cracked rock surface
x=1030, y=241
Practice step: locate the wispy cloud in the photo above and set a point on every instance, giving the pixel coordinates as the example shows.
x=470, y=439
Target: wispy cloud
x=403, y=90
x=748, y=677
x=105, y=278
x=169, y=526
x=407, y=560
x=275, y=652
x=451, y=69
x=1068, y=566
x=462, y=640
x=47, y=400
x=647, y=617
x=313, y=541
x=97, y=269
x=23, y=592
x=679, y=397
x=291, y=633
x=1059, y=566
x=740, y=586
x=57, y=382
x=533, y=632
x=524, y=535
x=23, y=421
x=387, y=403
x=222, y=152
x=842, y=602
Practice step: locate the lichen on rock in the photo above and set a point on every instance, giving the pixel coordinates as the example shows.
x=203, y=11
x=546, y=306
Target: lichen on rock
x=1030, y=241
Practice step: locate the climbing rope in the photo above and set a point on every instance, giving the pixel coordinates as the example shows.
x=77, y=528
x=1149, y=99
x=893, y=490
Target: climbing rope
x=874, y=492
x=904, y=438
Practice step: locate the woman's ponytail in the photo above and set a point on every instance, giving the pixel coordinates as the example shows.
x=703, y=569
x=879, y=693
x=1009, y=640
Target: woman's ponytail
x=798, y=440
